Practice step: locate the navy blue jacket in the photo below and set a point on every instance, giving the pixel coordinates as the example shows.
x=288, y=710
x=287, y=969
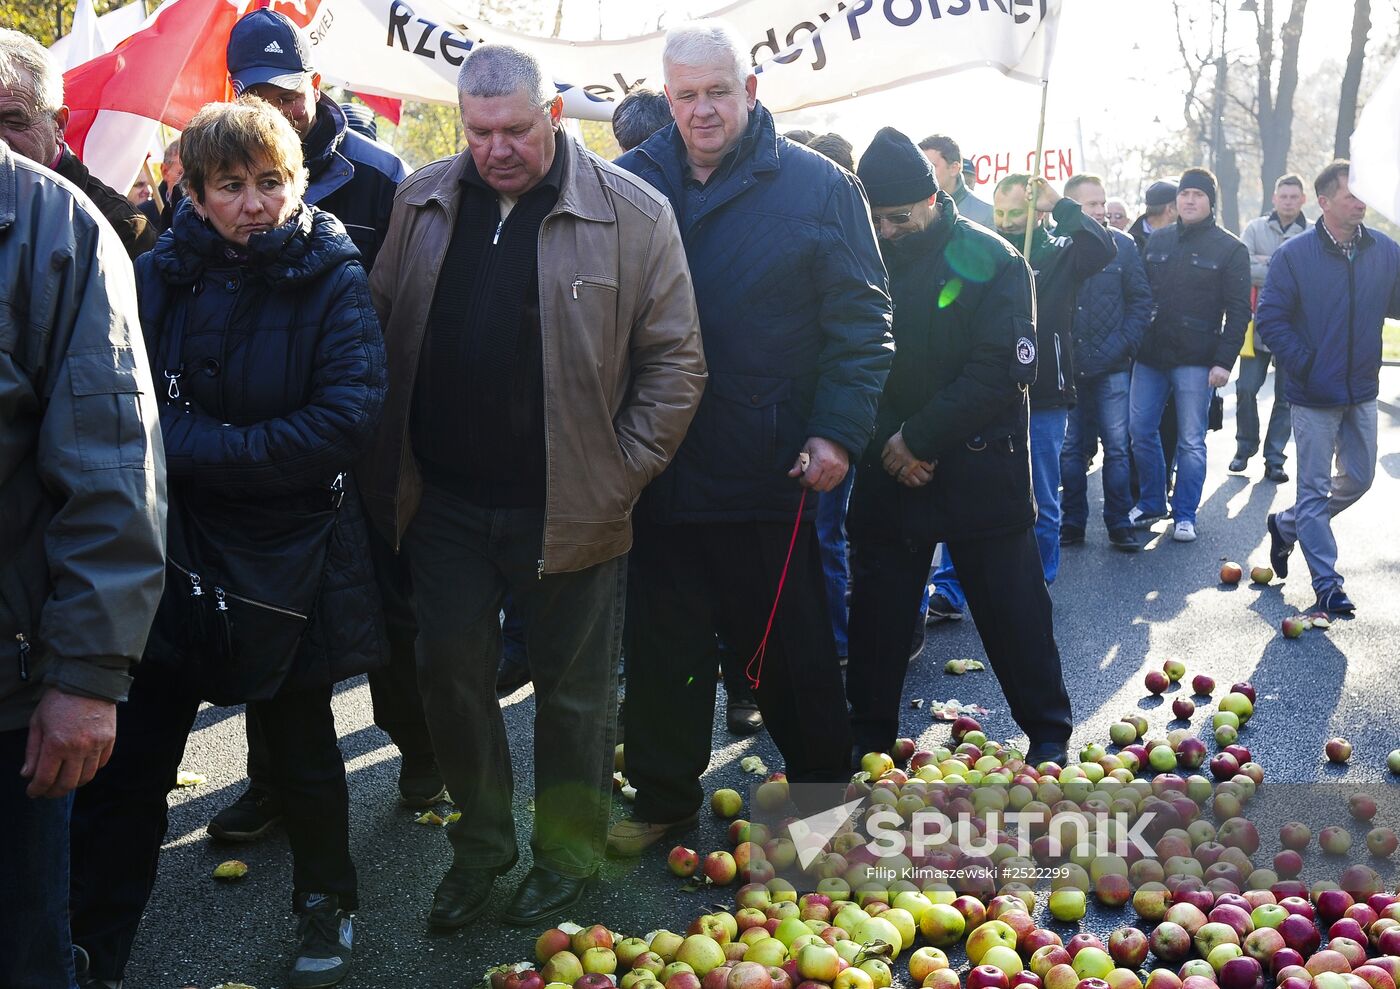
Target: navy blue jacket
x=794, y=314
x=1322, y=315
x=351, y=177
x=283, y=363
x=1114, y=309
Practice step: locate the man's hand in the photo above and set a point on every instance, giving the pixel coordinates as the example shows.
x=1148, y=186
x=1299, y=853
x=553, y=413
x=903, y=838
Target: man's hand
x=70, y=739
x=822, y=465
x=901, y=464
x=1045, y=195
x=1219, y=377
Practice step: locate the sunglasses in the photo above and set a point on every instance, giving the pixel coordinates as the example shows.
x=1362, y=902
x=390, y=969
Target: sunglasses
x=895, y=218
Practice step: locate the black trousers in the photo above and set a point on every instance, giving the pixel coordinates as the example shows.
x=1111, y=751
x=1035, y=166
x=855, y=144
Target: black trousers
x=689, y=583
x=393, y=688
x=120, y=818
x=1010, y=605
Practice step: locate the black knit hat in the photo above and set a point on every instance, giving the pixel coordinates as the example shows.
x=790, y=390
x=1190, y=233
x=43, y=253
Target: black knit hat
x=1202, y=179
x=895, y=172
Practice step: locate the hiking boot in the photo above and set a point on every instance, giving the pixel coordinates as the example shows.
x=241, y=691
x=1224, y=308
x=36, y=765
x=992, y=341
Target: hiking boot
x=249, y=817
x=325, y=937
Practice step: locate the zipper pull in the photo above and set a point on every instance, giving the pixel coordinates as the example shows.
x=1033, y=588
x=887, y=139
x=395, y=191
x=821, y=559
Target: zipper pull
x=497, y=238
x=196, y=591
x=221, y=604
x=539, y=572
x=577, y=283
x=23, y=655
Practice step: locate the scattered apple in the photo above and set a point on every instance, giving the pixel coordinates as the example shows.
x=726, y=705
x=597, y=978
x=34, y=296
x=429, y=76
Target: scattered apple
x=1261, y=575
x=1338, y=750
x=1156, y=682
x=1231, y=573
x=726, y=803
x=1183, y=708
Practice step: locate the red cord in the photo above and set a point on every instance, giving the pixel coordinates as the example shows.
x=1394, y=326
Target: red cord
x=762, y=650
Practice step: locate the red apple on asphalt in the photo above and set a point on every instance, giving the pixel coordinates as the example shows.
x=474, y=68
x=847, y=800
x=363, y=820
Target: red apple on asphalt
x=1202, y=685
x=1183, y=707
x=1294, y=626
x=1232, y=916
x=1170, y=942
x=528, y=979
x=1231, y=573
x=684, y=862
x=1382, y=842
x=1388, y=942
x=1333, y=904
x=1128, y=946
x=1156, y=682
x=1327, y=960
x=1198, y=982
x=963, y=725
x=1224, y=766
x=1081, y=941
x=1246, y=688
x=1300, y=934
x=1389, y=964
x=720, y=868
x=1092, y=984
x=1334, y=840
x=1046, y=957
x=550, y=943
x=988, y=977
x=1348, y=928
x=1027, y=978
x=1162, y=978
x=1338, y=750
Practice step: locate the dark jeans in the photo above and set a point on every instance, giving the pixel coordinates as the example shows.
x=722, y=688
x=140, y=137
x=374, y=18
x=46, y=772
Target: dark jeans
x=464, y=560
x=691, y=582
x=1253, y=371
x=35, y=952
x=393, y=688
x=1102, y=411
x=831, y=532
x=1010, y=604
x=120, y=818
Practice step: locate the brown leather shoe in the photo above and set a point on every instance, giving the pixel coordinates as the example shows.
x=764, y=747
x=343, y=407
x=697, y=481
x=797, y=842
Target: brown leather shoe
x=628, y=839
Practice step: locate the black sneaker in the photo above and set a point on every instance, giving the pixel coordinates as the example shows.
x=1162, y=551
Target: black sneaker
x=1124, y=539
x=1038, y=752
x=1334, y=601
x=81, y=970
x=1279, y=550
x=420, y=782
x=1239, y=465
x=249, y=817
x=940, y=609
x=325, y=939
x=1071, y=535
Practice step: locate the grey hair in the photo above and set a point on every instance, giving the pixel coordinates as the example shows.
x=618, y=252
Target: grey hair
x=706, y=42
x=500, y=70
x=26, y=64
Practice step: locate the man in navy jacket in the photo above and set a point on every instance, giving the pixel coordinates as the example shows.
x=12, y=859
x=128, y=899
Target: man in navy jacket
x=795, y=318
x=1324, y=302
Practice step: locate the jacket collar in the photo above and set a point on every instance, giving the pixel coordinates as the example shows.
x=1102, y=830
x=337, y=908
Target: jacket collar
x=1184, y=230
x=9, y=186
x=326, y=134
x=1300, y=221
x=1363, y=240
x=927, y=242
x=581, y=190
x=756, y=152
x=306, y=245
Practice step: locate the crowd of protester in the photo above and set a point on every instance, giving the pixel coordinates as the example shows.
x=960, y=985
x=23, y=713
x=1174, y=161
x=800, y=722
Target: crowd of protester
x=527, y=415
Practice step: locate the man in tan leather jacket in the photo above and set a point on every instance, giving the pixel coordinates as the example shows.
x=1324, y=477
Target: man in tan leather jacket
x=82, y=546
x=544, y=363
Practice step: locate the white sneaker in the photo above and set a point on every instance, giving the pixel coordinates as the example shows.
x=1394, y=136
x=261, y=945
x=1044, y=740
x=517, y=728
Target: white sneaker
x=1184, y=532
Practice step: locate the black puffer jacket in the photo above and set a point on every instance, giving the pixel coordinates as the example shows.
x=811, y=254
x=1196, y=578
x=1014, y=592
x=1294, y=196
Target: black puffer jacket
x=964, y=354
x=1199, y=276
x=1077, y=249
x=284, y=364
x=1115, y=307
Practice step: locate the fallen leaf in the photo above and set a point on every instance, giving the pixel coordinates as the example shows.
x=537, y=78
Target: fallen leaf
x=569, y=927
x=429, y=817
x=955, y=667
x=230, y=871
x=453, y=818
x=183, y=778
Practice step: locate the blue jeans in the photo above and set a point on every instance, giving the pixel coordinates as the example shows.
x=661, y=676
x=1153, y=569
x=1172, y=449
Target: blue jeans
x=1191, y=388
x=1047, y=443
x=831, y=536
x=35, y=950
x=1102, y=411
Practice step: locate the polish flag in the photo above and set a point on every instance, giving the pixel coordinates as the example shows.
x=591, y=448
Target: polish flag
x=162, y=74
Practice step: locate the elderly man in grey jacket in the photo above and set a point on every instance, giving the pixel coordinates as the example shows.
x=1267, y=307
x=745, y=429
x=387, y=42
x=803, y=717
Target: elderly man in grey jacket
x=82, y=520
x=1262, y=237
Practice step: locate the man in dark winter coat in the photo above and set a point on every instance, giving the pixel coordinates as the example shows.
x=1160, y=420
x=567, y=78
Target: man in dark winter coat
x=353, y=178
x=32, y=120
x=950, y=460
x=795, y=321
x=1061, y=261
x=1161, y=212
x=1199, y=276
x=1112, y=314
x=1321, y=312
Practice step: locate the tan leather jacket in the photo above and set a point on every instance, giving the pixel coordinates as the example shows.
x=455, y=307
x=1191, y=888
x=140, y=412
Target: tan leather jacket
x=623, y=368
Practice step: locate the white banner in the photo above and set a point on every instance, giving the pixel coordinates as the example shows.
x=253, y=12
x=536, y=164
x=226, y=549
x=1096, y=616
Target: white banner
x=807, y=52
x=1375, y=149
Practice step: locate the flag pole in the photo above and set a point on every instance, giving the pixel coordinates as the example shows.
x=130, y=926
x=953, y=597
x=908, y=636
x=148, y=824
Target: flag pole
x=1031, y=215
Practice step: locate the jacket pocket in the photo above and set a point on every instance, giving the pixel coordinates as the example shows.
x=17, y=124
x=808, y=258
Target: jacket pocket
x=983, y=486
x=107, y=418
x=745, y=426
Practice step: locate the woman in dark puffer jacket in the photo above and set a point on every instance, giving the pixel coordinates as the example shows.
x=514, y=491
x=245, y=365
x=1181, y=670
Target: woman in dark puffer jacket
x=264, y=341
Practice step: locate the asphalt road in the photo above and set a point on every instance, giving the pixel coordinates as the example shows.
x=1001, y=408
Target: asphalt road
x=1117, y=615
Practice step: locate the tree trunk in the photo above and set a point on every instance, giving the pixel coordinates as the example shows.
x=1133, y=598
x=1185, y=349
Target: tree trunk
x=1351, y=79
x=1227, y=173
x=1276, y=113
